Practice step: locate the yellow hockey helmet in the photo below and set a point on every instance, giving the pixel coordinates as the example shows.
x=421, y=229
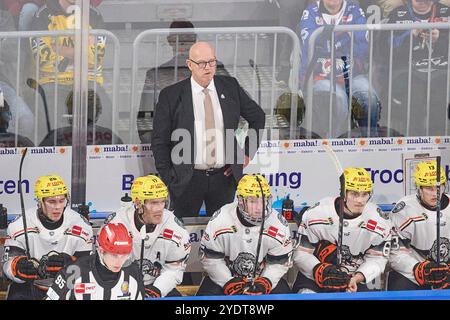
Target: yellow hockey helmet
x=248, y=186
x=148, y=187
x=425, y=174
x=50, y=186
x=357, y=179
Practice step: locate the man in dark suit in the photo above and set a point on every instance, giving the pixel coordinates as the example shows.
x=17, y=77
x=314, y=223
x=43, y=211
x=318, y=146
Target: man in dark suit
x=193, y=118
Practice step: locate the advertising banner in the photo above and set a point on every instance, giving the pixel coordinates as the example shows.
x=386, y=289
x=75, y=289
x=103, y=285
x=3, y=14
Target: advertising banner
x=301, y=169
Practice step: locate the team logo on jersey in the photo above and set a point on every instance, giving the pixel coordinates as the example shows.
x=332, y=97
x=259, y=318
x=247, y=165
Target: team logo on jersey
x=125, y=287
x=244, y=264
x=398, y=207
x=350, y=260
x=150, y=269
x=444, y=250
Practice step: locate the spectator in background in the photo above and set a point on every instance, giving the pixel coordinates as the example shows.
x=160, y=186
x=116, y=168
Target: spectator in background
x=7, y=139
x=54, y=16
x=21, y=116
x=96, y=135
x=328, y=13
x=23, y=11
x=389, y=5
x=416, y=11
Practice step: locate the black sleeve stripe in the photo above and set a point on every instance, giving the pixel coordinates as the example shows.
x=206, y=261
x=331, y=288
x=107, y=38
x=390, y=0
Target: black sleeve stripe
x=277, y=259
x=180, y=260
x=213, y=254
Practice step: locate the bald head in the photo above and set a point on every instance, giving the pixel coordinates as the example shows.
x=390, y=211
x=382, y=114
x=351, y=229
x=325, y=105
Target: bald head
x=201, y=49
x=200, y=53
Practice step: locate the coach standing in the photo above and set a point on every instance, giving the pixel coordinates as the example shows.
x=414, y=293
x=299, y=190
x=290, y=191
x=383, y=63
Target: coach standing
x=191, y=120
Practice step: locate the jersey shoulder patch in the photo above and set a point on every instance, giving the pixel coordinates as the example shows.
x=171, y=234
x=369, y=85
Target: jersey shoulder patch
x=384, y=215
x=215, y=215
x=399, y=207
x=109, y=218
x=178, y=222
x=282, y=220
x=85, y=220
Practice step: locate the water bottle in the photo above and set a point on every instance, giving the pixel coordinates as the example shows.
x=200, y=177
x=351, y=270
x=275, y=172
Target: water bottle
x=287, y=208
x=126, y=201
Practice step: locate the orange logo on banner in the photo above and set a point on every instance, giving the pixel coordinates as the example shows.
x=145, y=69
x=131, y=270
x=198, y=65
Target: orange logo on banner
x=135, y=149
x=399, y=141
x=97, y=150
x=286, y=145
x=362, y=142
x=437, y=140
x=62, y=150
x=325, y=142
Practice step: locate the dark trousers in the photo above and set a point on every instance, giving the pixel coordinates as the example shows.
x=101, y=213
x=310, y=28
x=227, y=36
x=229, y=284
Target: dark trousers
x=214, y=188
x=174, y=293
x=24, y=291
x=210, y=288
x=302, y=282
x=398, y=282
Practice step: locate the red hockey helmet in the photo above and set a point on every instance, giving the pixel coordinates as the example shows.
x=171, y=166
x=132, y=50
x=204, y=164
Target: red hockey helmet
x=115, y=238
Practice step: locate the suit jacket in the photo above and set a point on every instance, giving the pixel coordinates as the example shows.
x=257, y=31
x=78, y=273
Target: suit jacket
x=174, y=110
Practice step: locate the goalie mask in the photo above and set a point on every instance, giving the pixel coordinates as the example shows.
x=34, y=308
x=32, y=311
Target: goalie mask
x=251, y=203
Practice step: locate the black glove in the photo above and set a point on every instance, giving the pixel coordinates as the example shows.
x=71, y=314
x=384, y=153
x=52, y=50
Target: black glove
x=261, y=285
x=25, y=269
x=55, y=262
x=430, y=273
x=326, y=251
x=328, y=276
x=234, y=286
x=152, y=292
x=444, y=285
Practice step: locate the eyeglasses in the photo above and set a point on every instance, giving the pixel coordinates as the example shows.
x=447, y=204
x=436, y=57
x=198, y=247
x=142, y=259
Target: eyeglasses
x=202, y=64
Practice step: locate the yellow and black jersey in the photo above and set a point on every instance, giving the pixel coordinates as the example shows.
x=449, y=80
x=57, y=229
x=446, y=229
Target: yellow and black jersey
x=49, y=51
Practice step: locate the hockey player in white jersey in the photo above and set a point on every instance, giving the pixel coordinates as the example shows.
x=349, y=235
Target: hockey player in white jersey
x=413, y=255
x=161, y=245
x=231, y=240
x=57, y=236
x=102, y=276
x=365, y=240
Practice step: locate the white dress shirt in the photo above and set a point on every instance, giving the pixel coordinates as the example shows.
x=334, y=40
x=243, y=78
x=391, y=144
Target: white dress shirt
x=198, y=98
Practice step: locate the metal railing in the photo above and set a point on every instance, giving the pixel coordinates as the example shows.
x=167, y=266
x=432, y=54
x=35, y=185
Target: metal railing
x=251, y=35
x=25, y=36
x=371, y=28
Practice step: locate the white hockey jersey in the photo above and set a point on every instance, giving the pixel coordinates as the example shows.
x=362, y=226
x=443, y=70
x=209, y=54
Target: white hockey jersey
x=166, y=249
x=228, y=248
x=415, y=225
x=74, y=235
x=365, y=239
